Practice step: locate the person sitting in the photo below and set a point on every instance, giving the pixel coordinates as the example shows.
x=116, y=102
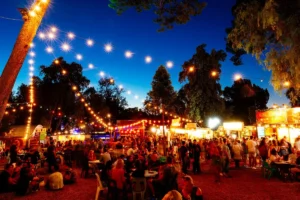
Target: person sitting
x=7, y=183
x=17, y=169
x=55, y=180
x=92, y=155
x=22, y=185
x=69, y=177
x=189, y=191
x=295, y=170
x=172, y=195
x=274, y=157
x=139, y=171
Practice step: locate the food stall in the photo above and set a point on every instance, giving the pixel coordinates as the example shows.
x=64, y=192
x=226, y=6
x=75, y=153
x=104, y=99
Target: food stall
x=233, y=129
x=279, y=123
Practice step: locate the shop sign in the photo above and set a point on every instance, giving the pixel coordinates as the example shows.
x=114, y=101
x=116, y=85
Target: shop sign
x=275, y=116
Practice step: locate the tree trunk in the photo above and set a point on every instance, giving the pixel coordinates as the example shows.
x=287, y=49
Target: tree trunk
x=32, y=20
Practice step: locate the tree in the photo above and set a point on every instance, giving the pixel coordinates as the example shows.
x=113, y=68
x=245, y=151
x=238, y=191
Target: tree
x=55, y=89
x=162, y=92
x=114, y=102
x=169, y=12
x=294, y=96
x=32, y=19
x=244, y=98
x=203, y=90
x=268, y=29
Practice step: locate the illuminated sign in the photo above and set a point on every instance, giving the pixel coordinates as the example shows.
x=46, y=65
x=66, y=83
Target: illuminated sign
x=233, y=126
x=274, y=116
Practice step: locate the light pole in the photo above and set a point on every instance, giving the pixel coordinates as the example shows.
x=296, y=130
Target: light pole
x=163, y=122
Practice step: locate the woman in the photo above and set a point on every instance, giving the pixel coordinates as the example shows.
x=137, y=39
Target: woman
x=173, y=195
x=237, y=153
x=189, y=191
x=215, y=154
x=118, y=174
x=92, y=155
x=263, y=149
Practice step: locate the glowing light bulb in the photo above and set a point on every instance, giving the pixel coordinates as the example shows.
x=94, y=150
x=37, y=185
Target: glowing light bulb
x=53, y=29
x=111, y=80
x=30, y=74
x=45, y=1
x=89, y=42
x=191, y=69
x=37, y=8
x=31, y=45
x=31, y=53
x=64, y=72
x=79, y=57
x=102, y=74
x=108, y=47
x=286, y=83
x=120, y=87
x=128, y=92
x=56, y=61
x=31, y=61
x=170, y=64
x=49, y=49
x=71, y=36
x=214, y=73
x=42, y=35
x=91, y=66
x=74, y=88
x=128, y=54
x=136, y=96
x=148, y=59
x=65, y=47
x=237, y=77
x=31, y=68
x=32, y=13
x=51, y=36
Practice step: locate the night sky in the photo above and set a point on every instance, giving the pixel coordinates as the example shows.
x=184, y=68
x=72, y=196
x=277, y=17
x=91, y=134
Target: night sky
x=131, y=31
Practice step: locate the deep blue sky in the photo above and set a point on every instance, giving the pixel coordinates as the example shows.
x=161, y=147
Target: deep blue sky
x=131, y=31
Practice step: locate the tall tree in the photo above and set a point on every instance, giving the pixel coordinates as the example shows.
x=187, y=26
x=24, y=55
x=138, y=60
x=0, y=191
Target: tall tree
x=169, y=12
x=293, y=96
x=244, y=98
x=32, y=19
x=203, y=89
x=162, y=92
x=270, y=30
x=114, y=102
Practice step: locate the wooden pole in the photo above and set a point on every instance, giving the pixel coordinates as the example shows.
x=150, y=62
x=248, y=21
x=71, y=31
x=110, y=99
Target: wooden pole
x=32, y=19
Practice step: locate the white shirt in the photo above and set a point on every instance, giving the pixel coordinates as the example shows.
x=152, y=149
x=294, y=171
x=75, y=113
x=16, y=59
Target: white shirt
x=297, y=145
x=251, y=146
x=105, y=157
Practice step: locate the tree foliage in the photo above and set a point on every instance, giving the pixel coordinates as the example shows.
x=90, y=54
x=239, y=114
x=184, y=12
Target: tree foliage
x=270, y=30
x=244, y=98
x=203, y=90
x=294, y=96
x=169, y=12
x=162, y=92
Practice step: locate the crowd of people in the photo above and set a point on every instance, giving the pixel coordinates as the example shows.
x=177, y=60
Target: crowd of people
x=129, y=158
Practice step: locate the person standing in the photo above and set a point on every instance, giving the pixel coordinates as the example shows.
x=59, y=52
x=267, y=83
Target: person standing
x=51, y=157
x=227, y=157
x=183, y=151
x=251, y=144
x=196, y=154
x=237, y=153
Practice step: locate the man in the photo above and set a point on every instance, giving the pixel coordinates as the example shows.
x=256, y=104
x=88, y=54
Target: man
x=183, y=152
x=131, y=151
x=7, y=183
x=227, y=157
x=196, y=154
x=105, y=156
x=251, y=144
x=51, y=157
